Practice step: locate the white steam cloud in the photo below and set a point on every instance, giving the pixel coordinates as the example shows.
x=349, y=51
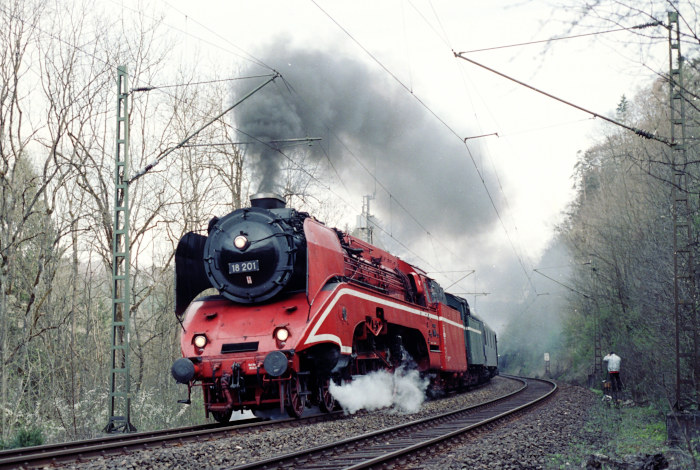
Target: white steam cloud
x=403, y=391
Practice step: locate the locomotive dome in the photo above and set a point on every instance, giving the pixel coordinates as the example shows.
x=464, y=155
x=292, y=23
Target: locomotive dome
x=250, y=254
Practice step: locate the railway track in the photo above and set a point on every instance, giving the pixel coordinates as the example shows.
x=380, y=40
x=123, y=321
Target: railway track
x=398, y=445
x=365, y=451
x=39, y=456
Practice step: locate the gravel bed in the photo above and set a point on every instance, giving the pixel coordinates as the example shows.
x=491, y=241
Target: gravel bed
x=260, y=444
x=529, y=442
x=525, y=442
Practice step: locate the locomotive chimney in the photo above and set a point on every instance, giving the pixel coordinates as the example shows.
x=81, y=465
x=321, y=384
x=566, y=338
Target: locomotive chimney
x=267, y=201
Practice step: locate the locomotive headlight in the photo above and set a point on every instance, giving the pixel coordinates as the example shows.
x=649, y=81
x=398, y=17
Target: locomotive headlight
x=241, y=242
x=200, y=341
x=282, y=334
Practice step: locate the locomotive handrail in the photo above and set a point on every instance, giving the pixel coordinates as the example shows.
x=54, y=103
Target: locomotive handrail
x=380, y=275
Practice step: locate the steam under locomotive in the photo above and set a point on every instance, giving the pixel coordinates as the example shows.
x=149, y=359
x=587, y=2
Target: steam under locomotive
x=300, y=305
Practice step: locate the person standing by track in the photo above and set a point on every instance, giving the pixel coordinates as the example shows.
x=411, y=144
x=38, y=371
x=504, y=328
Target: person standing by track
x=614, y=362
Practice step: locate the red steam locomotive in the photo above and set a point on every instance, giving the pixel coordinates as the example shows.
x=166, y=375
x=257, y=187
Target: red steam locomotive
x=300, y=305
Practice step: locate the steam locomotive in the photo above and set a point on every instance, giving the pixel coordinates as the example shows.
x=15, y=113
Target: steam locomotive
x=300, y=304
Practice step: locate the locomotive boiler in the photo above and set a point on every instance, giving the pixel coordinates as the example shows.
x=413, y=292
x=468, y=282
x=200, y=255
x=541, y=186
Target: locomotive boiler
x=296, y=304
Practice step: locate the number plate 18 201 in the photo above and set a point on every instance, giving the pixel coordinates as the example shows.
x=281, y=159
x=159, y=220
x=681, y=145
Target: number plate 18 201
x=244, y=267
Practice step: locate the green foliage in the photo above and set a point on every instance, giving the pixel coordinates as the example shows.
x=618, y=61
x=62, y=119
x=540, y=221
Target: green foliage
x=151, y=409
x=155, y=409
x=621, y=248
x=641, y=429
x=25, y=437
x=622, y=110
x=616, y=431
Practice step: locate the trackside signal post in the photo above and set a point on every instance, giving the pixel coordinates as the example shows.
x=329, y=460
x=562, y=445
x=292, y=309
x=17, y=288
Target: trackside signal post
x=119, y=385
x=120, y=382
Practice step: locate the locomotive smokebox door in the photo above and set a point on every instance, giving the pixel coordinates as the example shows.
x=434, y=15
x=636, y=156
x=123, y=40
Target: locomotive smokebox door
x=249, y=255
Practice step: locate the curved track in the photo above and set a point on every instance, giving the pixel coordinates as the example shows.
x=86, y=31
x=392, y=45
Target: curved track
x=39, y=456
x=397, y=444
x=364, y=451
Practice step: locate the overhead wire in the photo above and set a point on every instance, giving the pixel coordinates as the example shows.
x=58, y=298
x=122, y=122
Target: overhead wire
x=291, y=88
x=206, y=82
x=639, y=132
x=366, y=169
x=635, y=130
x=496, y=173
x=243, y=53
x=445, y=40
x=147, y=86
x=642, y=26
x=505, y=198
x=407, y=88
x=330, y=189
x=53, y=36
x=518, y=251
x=152, y=87
x=386, y=69
x=168, y=151
x=442, y=27
x=444, y=123
x=576, y=36
x=562, y=284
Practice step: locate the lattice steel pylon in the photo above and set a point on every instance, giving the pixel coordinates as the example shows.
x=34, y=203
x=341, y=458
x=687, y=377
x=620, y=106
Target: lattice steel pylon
x=597, y=349
x=684, y=288
x=119, y=393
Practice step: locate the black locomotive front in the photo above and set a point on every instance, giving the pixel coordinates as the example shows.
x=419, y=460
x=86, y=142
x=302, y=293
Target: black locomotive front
x=251, y=255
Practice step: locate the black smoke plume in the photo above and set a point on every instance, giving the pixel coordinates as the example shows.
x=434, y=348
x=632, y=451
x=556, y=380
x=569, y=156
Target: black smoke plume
x=424, y=165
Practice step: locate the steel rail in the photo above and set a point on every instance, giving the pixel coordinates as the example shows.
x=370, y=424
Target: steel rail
x=33, y=457
x=350, y=454
x=449, y=435
x=4, y=454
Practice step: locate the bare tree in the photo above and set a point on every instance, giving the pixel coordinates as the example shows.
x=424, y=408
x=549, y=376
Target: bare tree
x=620, y=234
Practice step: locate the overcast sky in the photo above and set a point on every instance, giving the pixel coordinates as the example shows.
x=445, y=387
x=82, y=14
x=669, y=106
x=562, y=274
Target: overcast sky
x=378, y=81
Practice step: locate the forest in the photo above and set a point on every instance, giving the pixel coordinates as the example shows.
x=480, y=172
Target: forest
x=618, y=244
